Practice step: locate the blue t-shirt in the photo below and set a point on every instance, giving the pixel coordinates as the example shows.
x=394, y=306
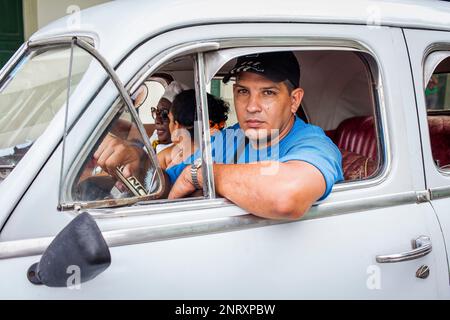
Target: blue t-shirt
x=305, y=142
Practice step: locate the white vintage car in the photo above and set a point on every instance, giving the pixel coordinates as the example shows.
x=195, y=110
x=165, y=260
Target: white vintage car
x=376, y=77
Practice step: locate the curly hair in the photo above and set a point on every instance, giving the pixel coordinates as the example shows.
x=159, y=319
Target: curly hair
x=184, y=110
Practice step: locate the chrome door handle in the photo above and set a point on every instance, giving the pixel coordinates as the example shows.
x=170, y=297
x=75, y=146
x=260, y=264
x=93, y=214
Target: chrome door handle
x=421, y=247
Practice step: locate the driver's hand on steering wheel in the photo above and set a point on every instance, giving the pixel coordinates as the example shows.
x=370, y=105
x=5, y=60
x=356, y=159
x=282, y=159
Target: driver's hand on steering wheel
x=114, y=152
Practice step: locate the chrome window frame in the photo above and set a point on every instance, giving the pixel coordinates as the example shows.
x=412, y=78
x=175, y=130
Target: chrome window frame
x=165, y=56
x=88, y=46
x=106, y=120
x=429, y=50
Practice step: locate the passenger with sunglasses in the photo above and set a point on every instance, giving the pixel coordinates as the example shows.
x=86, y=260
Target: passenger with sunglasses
x=161, y=138
x=181, y=118
x=124, y=145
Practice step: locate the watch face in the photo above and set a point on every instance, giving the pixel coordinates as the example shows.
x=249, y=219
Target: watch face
x=198, y=162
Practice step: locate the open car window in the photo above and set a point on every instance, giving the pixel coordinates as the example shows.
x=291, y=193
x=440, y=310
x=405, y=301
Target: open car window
x=117, y=166
x=339, y=98
x=96, y=183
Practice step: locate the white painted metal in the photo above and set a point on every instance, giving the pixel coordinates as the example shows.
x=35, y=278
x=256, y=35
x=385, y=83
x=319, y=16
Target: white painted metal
x=331, y=256
x=107, y=21
x=420, y=42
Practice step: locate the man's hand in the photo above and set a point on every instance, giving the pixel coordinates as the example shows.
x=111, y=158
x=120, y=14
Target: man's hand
x=114, y=152
x=184, y=186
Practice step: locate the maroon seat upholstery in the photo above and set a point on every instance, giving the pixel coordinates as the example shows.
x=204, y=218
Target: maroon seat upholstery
x=356, y=166
x=357, y=135
x=356, y=139
x=439, y=126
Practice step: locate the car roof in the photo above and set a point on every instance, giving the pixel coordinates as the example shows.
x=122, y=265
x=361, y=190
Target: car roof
x=133, y=21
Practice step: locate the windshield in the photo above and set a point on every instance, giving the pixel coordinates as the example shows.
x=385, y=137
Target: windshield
x=31, y=95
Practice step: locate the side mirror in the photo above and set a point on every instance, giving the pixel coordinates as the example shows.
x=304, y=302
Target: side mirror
x=79, y=246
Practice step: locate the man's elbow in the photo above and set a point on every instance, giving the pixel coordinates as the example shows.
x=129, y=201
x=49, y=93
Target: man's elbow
x=290, y=207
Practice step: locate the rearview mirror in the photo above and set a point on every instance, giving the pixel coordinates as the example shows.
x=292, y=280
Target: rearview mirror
x=140, y=96
x=80, y=246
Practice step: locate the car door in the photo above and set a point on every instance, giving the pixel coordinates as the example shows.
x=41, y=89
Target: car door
x=212, y=249
x=430, y=54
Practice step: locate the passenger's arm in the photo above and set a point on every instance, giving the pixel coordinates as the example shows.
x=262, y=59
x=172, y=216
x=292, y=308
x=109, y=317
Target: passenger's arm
x=164, y=157
x=267, y=189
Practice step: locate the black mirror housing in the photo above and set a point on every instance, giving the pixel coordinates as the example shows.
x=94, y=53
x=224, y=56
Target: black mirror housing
x=80, y=246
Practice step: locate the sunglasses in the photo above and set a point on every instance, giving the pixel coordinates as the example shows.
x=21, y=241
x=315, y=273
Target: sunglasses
x=163, y=114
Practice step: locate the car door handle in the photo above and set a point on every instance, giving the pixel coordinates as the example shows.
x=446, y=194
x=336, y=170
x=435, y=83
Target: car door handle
x=421, y=247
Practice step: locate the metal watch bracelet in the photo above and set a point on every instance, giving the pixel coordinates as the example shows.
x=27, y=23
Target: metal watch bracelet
x=194, y=176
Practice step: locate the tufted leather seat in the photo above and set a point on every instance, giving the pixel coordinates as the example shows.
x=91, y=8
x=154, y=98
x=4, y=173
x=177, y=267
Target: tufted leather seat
x=357, y=135
x=356, y=139
x=439, y=126
x=356, y=166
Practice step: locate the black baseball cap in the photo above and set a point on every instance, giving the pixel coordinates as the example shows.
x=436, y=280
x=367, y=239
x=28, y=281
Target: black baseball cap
x=275, y=66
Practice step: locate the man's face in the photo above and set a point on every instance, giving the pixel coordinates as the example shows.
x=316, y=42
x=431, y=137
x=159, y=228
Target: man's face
x=263, y=105
x=162, y=123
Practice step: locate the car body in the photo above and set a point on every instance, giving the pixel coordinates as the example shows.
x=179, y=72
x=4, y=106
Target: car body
x=209, y=248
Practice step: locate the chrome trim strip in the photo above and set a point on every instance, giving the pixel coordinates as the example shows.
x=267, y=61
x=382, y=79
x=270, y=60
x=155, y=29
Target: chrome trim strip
x=60, y=40
x=167, y=55
x=440, y=193
x=7, y=166
x=155, y=207
x=23, y=248
x=32, y=247
x=13, y=61
x=66, y=117
x=203, y=127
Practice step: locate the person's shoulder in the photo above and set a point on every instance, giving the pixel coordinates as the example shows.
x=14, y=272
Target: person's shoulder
x=305, y=134
x=303, y=128
x=167, y=151
x=165, y=156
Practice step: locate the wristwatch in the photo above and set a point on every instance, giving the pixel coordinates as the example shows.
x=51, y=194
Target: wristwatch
x=194, y=173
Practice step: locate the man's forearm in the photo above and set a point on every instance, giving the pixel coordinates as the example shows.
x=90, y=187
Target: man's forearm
x=267, y=189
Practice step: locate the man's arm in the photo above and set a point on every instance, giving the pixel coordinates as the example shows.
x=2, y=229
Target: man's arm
x=114, y=152
x=287, y=193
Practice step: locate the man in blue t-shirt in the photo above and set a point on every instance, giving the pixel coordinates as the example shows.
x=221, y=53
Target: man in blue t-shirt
x=271, y=163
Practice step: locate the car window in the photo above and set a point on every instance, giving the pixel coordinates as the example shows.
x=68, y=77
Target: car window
x=437, y=98
x=339, y=98
x=94, y=183
x=30, y=97
x=99, y=184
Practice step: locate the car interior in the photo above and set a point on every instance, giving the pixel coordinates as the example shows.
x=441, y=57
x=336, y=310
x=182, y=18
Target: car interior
x=339, y=98
x=437, y=96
